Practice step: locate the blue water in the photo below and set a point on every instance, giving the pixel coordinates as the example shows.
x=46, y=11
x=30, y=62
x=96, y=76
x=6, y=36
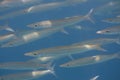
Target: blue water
x=109, y=70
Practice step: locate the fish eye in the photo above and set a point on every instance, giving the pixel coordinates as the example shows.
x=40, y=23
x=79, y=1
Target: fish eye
x=107, y=31
x=36, y=25
x=35, y=54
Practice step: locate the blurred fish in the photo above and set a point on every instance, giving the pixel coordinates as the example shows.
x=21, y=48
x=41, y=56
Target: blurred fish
x=6, y=38
x=112, y=20
x=62, y=50
x=6, y=27
x=109, y=8
x=99, y=41
x=36, y=8
x=73, y=49
x=30, y=36
x=90, y=60
x=53, y=5
x=110, y=30
x=13, y=14
x=23, y=65
x=28, y=75
x=61, y=22
x=17, y=3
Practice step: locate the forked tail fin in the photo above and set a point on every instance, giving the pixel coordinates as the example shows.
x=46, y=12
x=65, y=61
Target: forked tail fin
x=88, y=16
x=6, y=27
x=100, y=48
x=52, y=71
x=95, y=78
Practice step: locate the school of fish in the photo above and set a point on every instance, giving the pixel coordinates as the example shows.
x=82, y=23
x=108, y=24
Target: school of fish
x=43, y=60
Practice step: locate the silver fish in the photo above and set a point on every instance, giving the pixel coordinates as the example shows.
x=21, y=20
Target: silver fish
x=61, y=22
x=73, y=48
x=109, y=8
x=53, y=5
x=112, y=20
x=7, y=28
x=17, y=3
x=62, y=50
x=28, y=75
x=23, y=65
x=99, y=41
x=90, y=60
x=40, y=7
x=110, y=30
x=7, y=37
x=30, y=36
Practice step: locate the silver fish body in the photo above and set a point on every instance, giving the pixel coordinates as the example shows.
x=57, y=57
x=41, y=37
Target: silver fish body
x=7, y=37
x=62, y=50
x=89, y=60
x=23, y=65
x=30, y=36
x=110, y=30
x=61, y=22
x=72, y=49
x=28, y=75
x=112, y=20
x=109, y=8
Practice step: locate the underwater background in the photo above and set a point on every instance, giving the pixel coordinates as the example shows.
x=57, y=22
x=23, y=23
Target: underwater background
x=109, y=70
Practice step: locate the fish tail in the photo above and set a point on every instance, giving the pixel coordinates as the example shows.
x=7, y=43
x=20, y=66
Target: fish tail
x=9, y=29
x=51, y=68
x=89, y=15
x=6, y=27
x=100, y=48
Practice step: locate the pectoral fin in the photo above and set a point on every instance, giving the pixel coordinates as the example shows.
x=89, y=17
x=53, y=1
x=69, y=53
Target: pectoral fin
x=100, y=49
x=64, y=31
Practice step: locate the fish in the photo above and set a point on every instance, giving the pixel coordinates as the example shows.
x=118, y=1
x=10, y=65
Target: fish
x=108, y=8
x=86, y=61
x=13, y=14
x=28, y=36
x=7, y=37
x=52, y=5
x=27, y=75
x=17, y=3
x=7, y=28
x=38, y=8
x=62, y=50
x=23, y=65
x=80, y=47
x=112, y=20
x=110, y=31
x=99, y=41
x=61, y=22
